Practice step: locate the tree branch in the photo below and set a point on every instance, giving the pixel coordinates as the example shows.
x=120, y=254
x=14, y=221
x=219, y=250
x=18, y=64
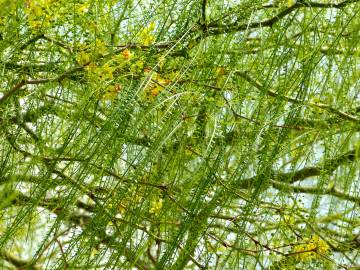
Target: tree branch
x=272, y=93
x=315, y=190
x=22, y=83
x=216, y=29
x=17, y=262
x=328, y=166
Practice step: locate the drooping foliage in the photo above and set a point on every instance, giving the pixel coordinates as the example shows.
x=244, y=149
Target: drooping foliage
x=179, y=134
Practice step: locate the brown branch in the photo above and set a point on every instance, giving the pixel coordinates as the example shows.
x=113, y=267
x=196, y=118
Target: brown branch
x=62, y=253
x=236, y=115
x=315, y=190
x=22, y=83
x=159, y=45
x=255, y=50
x=327, y=167
x=151, y=257
x=57, y=42
x=17, y=262
x=31, y=66
x=248, y=252
x=271, y=93
x=203, y=11
x=32, y=40
x=12, y=91
x=263, y=246
x=326, y=5
x=216, y=29
x=47, y=38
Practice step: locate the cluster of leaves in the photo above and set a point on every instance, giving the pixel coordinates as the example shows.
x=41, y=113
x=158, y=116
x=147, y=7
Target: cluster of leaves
x=179, y=134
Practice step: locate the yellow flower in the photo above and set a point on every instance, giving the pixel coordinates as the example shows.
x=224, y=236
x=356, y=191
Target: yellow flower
x=146, y=38
x=82, y=8
x=155, y=91
x=163, y=82
x=112, y=92
x=137, y=66
x=321, y=246
x=34, y=9
x=220, y=71
x=151, y=26
x=121, y=208
x=126, y=54
x=156, y=206
x=290, y=3
x=37, y=7
x=35, y=24
x=91, y=68
x=106, y=72
x=100, y=47
x=312, y=248
x=83, y=58
x=289, y=220
x=155, y=84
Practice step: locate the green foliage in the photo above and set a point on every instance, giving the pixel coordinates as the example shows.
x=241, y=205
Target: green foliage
x=141, y=134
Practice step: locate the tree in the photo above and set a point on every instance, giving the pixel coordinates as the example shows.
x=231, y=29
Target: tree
x=179, y=134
